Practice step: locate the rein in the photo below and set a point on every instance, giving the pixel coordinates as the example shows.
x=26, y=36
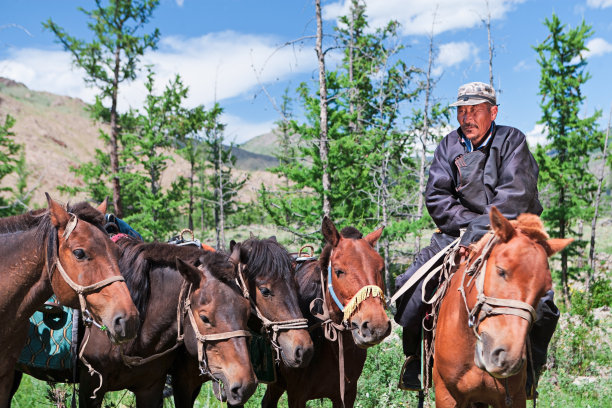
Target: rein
x=270, y=327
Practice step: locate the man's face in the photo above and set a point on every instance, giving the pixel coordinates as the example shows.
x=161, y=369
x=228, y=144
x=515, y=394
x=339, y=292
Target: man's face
x=475, y=120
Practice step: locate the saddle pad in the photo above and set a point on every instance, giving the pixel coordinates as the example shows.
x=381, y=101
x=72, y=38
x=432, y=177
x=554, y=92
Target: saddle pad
x=262, y=358
x=47, y=352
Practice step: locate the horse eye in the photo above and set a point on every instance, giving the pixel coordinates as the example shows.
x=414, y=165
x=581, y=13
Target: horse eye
x=339, y=272
x=501, y=272
x=79, y=253
x=265, y=291
x=204, y=319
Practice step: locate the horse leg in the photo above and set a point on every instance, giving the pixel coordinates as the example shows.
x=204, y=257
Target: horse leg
x=186, y=383
x=87, y=384
x=16, y=382
x=295, y=401
x=7, y=375
x=272, y=395
x=152, y=395
x=444, y=399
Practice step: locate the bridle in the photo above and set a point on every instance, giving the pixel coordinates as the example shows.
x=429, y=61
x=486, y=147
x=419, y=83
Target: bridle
x=271, y=328
x=202, y=339
x=80, y=290
x=362, y=294
x=489, y=306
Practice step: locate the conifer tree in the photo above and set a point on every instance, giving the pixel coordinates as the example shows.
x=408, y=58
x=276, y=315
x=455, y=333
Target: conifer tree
x=110, y=58
x=565, y=179
x=11, y=162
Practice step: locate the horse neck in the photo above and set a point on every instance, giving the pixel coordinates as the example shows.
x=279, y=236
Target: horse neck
x=24, y=266
x=453, y=310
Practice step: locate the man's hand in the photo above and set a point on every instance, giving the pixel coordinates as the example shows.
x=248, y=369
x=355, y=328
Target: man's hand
x=462, y=254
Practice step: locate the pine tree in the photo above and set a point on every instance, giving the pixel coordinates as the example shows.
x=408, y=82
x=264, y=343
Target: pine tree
x=110, y=59
x=565, y=179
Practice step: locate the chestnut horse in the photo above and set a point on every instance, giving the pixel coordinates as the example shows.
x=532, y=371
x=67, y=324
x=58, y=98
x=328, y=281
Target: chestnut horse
x=158, y=276
x=481, y=341
x=264, y=270
x=347, y=285
x=65, y=253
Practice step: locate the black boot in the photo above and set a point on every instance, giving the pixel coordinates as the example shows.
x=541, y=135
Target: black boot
x=410, y=376
x=540, y=336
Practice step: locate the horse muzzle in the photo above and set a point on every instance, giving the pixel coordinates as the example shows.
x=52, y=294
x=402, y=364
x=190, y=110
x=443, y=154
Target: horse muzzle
x=496, y=359
x=369, y=332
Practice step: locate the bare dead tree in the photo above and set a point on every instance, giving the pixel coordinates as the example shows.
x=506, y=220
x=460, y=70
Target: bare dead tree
x=323, y=140
x=487, y=23
x=597, y=200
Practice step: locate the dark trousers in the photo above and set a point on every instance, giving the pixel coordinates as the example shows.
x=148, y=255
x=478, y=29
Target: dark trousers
x=411, y=309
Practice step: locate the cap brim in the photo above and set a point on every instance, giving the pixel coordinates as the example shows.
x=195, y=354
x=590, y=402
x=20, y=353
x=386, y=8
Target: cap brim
x=470, y=102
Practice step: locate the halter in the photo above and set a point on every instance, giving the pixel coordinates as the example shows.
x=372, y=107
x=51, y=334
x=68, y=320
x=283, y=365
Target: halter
x=270, y=327
x=80, y=290
x=361, y=295
x=489, y=306
x=203, y=338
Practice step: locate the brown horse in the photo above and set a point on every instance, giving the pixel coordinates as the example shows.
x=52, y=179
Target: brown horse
x=158, y=276
x=348, y=280
x=65, y=253
x=484, y=320
x=265, y=271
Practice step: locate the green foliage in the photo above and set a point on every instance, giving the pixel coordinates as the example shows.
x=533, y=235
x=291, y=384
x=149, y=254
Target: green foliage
x=565, y=179
x=367, y=156
x=14, y=200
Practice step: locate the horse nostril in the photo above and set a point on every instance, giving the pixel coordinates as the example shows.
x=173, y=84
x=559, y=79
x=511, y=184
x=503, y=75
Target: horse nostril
x=498, y=356
x=236, y=391
x=119, y=325
x=299, y=353
x=365, y=329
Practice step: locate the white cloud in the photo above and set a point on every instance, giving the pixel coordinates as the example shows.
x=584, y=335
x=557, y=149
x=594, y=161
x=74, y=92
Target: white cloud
x=416, y=16
x=521, y=66
x=454, y=53
x=599, y=3
x=180, y=3
x=537, y=135
x=215, y=66
x=597, y=47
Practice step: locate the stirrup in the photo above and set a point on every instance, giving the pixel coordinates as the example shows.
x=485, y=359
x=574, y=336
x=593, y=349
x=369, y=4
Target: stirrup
x=409, y=387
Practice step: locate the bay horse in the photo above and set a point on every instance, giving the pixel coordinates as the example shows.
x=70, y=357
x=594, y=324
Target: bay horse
x=481, y=343
x=61, y=252
x=346, y=284
x=265, y=273
x=212, y=317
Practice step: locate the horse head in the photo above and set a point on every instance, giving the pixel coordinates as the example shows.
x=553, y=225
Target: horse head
x=264, y=266
x=507, y=290
x=83, y=269
x=215, y=328
x=353, y=270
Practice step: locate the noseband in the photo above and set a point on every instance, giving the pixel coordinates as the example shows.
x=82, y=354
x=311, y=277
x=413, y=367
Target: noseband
x=489, y=306
x=80, y=290
x=271, y=328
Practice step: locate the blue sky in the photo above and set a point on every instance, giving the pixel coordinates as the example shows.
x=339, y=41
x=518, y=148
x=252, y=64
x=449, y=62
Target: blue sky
x=226, y=50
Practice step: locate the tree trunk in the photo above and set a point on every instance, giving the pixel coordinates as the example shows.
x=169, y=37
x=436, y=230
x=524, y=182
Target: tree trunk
x=596, y=214
x=114, y=153
x=323, y=141
x=191, y=176
x=220, y=217
x=491, y=48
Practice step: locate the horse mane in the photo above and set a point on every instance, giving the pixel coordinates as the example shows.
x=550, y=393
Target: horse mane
x=138, y=258
x=267, y=258
x=528, y=224
x=22, y=222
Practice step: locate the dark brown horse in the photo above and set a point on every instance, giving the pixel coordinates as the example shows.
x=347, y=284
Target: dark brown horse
x=349, y=270
x=265, y=270
x=159, y=277
x=484, y=320
x=65, y=253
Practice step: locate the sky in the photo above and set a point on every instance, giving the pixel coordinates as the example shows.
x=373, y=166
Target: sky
x=234, y=52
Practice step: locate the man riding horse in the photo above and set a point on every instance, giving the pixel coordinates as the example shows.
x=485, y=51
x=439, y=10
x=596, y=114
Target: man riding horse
x=475, y=167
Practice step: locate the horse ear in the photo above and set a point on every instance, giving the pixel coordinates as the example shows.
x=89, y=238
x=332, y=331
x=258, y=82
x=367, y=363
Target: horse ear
x=501, y=226
x=373, y=236
x=273, y=238
x=103, y=205
x=330, y=233
x=190, y=273
x=59, y=216
x=557, y=244
x=234, y=252
x=232, y=244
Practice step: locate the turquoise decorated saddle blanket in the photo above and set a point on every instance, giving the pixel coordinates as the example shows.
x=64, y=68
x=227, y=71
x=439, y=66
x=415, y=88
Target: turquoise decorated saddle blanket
x=51, y=348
